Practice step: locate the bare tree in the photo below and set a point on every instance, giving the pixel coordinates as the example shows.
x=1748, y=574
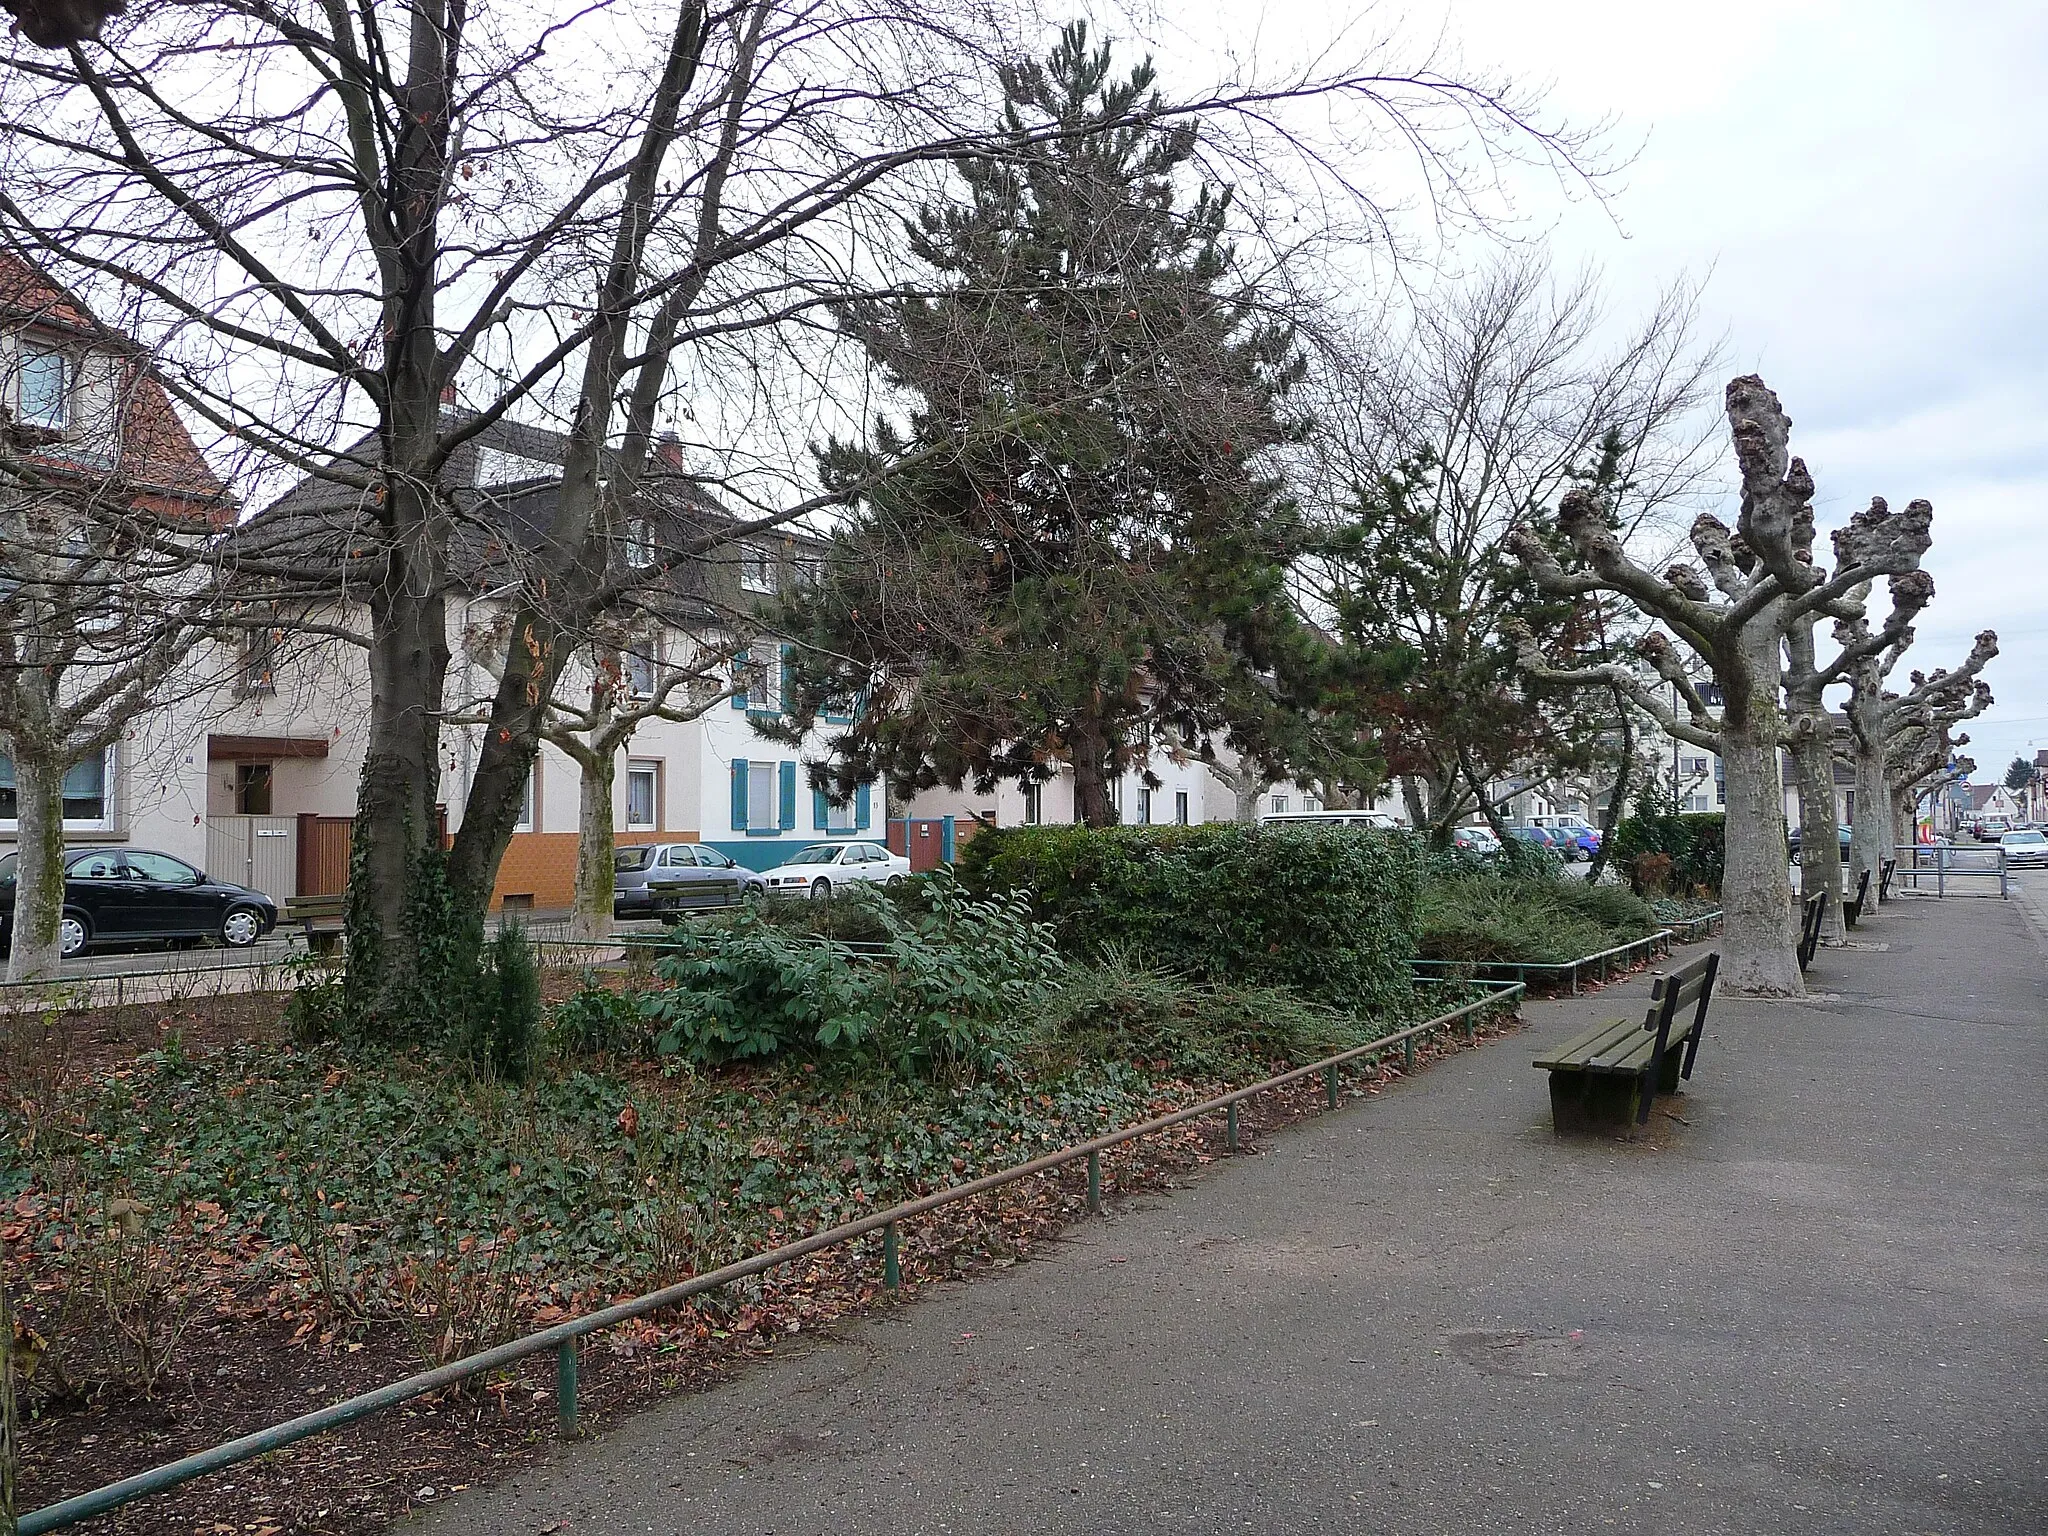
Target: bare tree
x=1767, y=581
x=1443, y=437
x=1898, y=742
x=608, y=218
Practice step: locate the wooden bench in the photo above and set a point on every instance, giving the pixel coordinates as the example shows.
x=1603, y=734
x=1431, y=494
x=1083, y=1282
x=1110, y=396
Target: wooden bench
x=1816, y=913
x=694, y=896
x=1853, y=908
x=321, y=917
x=1605, y=1079
x=1884, y=880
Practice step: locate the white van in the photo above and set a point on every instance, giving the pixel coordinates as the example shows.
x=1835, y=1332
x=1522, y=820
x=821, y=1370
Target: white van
x=1380, y=820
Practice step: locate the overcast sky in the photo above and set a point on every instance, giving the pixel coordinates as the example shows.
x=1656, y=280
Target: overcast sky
x=1865, y=186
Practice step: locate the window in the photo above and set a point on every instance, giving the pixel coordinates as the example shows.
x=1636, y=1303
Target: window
x=1034, y=803
x=808, y=570
x=639, y=543
x=526, y=798
x=1114, y=792
x=838, y=818
x=160, y=868
x=642, y=665
x=259, y=661
x=86, y=800
x=1311, y=803
x=764, y=690
x=252, y=789
x=1144, y=806
x=1277, y=805
x=643, y=796
x=1720, y=783
x=46, y=379
x=1180, y=808
x=757, y=568
x=762, y=811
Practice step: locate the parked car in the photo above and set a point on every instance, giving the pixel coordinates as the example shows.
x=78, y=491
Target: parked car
x=817, y=869
x=1792, y=840
x=1580, y=840
x=653, y=877
x=124, y=895
x=1378, y=820
x=1991, y=829
x=2025, y=848
x=1479, y=840
x=1550, y=842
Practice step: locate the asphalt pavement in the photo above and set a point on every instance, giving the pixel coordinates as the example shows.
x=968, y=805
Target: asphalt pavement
x=1812, y=1300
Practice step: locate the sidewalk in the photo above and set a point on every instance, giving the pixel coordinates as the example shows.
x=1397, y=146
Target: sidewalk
x=1814, y=1303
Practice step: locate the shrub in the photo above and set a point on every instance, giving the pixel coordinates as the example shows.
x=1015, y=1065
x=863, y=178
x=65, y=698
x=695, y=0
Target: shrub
x=1486, y=915
x=504, y=1020
x=596, y=1021
x=1327, y=911
x=949, y=973
x=1692, y=842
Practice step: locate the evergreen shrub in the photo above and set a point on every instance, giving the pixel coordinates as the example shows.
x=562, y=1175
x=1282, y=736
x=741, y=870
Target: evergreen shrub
x=1327, y=911
x=1694, y=843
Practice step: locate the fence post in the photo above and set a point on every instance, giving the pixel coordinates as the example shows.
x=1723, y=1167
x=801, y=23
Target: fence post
x=1230, y=1128
x=2003, y=895
x=1940, y=873
x=1330, y=1085
x=1408, y=1054
x=1094, y=1183
x=565, y=1389
x=892, y=1271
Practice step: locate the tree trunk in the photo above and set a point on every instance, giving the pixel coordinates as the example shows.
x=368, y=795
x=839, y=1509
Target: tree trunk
x=1247, y=790
x=1872, y=835
x=591, y=917
x=1758, y=949
x=1412, y=801
x=1618, y=796
x=401, y=927
x=1089, y=754
x=39, y=879
x=1820, y=844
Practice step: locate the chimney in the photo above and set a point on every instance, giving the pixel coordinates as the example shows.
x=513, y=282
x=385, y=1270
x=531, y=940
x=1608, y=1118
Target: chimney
x=670, y=451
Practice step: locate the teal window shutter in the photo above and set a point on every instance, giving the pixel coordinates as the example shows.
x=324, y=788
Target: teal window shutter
x=782, y=695
x=860, y=808
x=788, y=788
x=739, y=794
x=739, y=701
x=819, y=819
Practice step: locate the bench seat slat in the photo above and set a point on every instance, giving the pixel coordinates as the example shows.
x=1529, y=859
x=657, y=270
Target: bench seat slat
x=1581, y=1049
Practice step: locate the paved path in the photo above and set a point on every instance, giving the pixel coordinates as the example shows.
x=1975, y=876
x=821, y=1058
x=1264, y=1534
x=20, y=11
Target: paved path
x=1816, y=1305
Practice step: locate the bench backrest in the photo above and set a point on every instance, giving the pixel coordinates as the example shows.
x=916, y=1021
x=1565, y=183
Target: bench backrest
x=1816, y=911
x=297, y=908
x=1690, y=987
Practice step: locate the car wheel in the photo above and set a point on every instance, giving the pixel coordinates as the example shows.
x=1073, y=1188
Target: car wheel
x=240, y=928
x=73, y=934
x=894, y=881
x=820, y=888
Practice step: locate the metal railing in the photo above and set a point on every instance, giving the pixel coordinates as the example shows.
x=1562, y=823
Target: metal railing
x=1687, y=930
x=562, y=1338
x=1621, y=956
x=1952, y=870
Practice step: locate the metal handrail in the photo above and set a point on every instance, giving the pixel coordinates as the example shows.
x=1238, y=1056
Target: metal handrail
x=562, y=1337
x=1945, y=866
x=1522, y=969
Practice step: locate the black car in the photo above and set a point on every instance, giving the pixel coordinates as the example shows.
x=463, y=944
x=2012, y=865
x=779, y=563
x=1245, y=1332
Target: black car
x=1792, y=841
x=120, y=895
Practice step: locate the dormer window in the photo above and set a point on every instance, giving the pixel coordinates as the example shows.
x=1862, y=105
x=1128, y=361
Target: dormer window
x=47, y=376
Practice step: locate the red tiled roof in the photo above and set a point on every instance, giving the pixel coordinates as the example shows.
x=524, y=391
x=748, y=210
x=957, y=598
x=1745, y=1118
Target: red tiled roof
x=158, y=456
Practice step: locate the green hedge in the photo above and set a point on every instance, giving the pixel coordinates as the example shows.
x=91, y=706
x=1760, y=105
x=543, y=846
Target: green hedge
x=1327, y=911
x=1693, y=843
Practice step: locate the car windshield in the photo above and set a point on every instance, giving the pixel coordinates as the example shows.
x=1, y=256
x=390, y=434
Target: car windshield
x=633, y=858
x=817, y=853
x=2025, y=837
x=7, y=863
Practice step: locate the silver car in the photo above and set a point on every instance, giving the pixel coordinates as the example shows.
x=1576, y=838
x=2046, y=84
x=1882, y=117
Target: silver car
x=2025, y=848
x=650, y=878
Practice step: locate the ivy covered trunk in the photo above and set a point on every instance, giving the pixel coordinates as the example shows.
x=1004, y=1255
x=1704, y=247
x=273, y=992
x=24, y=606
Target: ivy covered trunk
x=39, y=879
x=591, y=916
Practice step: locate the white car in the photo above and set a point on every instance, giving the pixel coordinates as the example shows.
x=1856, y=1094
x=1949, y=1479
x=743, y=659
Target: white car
x=2025, y=848
x=815, y=870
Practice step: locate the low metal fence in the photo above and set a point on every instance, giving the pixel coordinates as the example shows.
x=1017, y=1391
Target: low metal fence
x=1960, y=870
x=561, y=1340
x=1688, y=930
x=1650, y=947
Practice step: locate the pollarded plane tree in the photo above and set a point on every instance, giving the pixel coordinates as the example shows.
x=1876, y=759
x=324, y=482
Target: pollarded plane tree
x=1922, y=745
x=601, y=220
x=1880, y=722
x=1760, y=580
x=1813, y=742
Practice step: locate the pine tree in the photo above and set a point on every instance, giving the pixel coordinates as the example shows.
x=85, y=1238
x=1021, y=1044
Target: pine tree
x=1085, y=560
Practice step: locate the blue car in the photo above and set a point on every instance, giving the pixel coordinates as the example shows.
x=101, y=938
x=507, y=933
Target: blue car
x=1546, y=840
